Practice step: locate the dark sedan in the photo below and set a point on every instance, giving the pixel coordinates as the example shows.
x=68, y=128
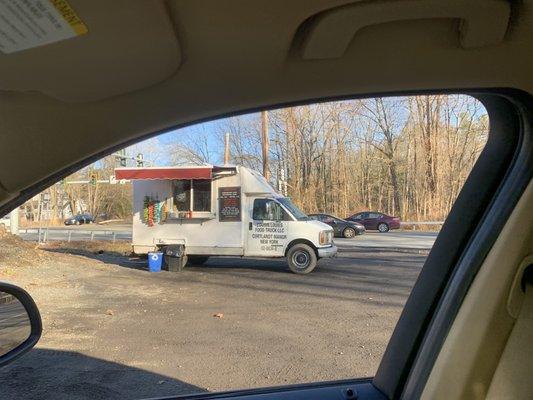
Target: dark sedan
x=376, y=221
x=80, y=219
x=341, y=227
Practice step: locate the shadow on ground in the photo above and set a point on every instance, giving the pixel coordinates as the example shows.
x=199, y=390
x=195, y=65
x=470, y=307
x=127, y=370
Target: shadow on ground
x=110, y=257
x=53, y=374
x=353, y=276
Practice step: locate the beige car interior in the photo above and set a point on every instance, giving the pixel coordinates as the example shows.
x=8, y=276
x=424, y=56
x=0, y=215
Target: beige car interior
x=148, y=66
x=488, y=353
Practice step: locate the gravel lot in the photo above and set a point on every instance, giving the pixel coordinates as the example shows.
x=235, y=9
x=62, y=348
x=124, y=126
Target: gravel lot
x=114, y=330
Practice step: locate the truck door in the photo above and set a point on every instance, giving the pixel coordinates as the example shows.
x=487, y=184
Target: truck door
x=267, y=229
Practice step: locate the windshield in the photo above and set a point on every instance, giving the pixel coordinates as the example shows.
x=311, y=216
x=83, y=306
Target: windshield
x=295, y=211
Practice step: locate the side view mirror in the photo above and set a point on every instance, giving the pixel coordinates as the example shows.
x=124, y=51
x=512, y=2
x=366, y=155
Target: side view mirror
x=20, y=323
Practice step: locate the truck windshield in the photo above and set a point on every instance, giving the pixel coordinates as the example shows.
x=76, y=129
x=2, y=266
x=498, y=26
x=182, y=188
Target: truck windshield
x=295, y=211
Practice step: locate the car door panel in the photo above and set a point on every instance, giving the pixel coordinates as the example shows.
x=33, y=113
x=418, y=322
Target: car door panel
x=367, y=221
x=357, y=389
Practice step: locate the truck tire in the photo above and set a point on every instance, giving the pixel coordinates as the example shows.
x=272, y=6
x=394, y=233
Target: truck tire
x=198, y=260
x=301, y=258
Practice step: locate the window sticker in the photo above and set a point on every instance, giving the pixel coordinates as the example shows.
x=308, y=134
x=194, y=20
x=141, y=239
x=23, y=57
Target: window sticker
x=25, y=24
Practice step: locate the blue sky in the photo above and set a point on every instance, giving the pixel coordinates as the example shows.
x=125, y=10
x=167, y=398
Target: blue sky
x=208, y=135
x=207, y=138
x=184, y=136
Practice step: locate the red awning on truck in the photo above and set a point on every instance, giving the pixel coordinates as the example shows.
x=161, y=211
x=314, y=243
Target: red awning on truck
x=164, y=173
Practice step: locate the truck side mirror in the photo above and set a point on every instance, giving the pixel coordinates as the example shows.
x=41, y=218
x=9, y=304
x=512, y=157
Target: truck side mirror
x=20, y=323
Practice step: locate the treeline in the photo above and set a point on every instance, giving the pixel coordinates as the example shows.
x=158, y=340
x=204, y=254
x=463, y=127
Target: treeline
x=407, y=156
x=75, y=195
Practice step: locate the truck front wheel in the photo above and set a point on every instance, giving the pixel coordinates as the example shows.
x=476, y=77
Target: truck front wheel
x=301, y=258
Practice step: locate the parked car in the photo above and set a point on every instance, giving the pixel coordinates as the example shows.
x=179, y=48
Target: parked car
x=341, y=227
x=80, y=219
x=376, y=221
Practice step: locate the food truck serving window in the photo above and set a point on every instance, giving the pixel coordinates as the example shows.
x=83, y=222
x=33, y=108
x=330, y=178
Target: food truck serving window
x=191, y=195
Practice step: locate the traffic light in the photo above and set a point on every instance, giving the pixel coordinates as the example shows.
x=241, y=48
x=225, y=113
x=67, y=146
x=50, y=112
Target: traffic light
x=140, y=160
x=92, y=179
x=121, y=156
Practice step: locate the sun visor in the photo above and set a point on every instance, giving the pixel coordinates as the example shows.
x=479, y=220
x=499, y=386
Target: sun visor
x=80, y=51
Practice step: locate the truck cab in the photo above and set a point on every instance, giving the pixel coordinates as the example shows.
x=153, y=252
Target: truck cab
x=277, y=228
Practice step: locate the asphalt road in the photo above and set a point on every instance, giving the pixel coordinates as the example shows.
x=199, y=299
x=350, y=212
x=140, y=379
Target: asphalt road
x=387, y=241
x=114, y=330
x=391, y=240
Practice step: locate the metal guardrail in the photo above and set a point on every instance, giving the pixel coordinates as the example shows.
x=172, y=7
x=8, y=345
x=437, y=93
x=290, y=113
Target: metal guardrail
x=43, y=234
x=414, y=224
x=421, y=222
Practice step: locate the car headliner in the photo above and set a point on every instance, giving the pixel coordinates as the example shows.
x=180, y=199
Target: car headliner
x=145, y=67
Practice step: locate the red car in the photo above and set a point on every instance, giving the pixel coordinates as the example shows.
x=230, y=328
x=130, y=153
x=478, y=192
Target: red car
x=375, y=220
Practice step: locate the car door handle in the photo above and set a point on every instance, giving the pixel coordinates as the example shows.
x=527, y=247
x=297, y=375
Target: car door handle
x=250, y=226
x=331, y=32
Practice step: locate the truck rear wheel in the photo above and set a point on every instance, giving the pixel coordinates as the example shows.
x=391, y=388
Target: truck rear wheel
x=301, y=258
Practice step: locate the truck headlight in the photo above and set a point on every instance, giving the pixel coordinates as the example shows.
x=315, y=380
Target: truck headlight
x=325, y=237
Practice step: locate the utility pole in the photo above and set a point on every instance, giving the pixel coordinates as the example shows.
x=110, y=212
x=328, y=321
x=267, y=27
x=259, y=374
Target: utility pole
x=226, y=149
x=283, y=183
x=121, y=157
x=265, y=143
x=14, y=221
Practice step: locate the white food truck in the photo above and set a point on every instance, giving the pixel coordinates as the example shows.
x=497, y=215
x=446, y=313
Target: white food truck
x=193, y=212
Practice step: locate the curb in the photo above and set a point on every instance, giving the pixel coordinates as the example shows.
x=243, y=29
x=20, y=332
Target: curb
x=408, y=250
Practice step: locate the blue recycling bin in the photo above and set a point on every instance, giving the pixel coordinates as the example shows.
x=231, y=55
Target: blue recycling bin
x=155, y=260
